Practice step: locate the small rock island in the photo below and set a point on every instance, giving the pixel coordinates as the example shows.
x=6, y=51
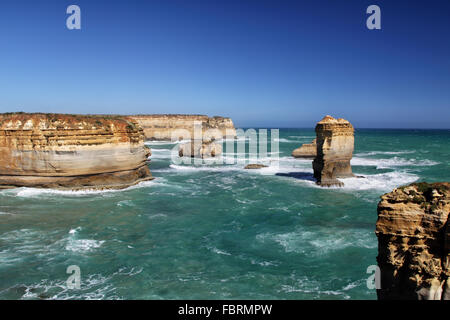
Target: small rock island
x=182, y=127
x=306, y=151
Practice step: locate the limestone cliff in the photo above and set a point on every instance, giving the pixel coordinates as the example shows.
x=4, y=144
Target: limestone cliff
x=71, y=151
x=335, y=143
x=181, y=127
x=306, y=151
x=414, y=242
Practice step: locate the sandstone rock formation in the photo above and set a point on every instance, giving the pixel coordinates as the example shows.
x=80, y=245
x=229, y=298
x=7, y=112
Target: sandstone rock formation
x=255, y=166
x=306, y=151
x=71, y=151
x=181, y=127
x=199, y=149
x=335, y=142
x=414, y=242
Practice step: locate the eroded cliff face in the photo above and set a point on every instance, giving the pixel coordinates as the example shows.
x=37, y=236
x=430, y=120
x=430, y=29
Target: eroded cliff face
x=414, y=242
x=181, y=127
x=335, y=143
x=306, y=151
x=71, y=151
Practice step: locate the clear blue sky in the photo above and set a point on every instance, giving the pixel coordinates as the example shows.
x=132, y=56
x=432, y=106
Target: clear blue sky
x=263, y=63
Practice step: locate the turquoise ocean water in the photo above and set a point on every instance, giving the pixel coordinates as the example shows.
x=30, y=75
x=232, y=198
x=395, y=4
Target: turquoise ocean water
x=215, y=231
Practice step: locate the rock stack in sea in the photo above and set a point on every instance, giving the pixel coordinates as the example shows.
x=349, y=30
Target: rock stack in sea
x=71, y=151
x=335, y=143
x=200, y=149
x=201, y=131
x=414, y=242
x=306, y=151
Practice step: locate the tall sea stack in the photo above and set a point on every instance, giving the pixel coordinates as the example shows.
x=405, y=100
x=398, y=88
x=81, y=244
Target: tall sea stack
x=414, y=242
x=335, y=143
x=71, y=151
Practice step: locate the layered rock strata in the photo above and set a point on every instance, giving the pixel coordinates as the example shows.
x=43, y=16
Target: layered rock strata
x=306, y=151
x=71, y=151
x=200, y=130
x=335, y=143
x=414, y=242
x=182, y=127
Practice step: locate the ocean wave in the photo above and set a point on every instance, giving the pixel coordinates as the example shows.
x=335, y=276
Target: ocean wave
x=320, y=242
x=391, y=162
x=83, y=245
x=303, y=137
x=218, y=251
x=93, y=287
x=74, y=231
x=285, y=140
x=20, y=244
x=162, y=143
x=383, y=181
x=161, y=150
x=374, y=153
x=318, y=289
x=36, y=192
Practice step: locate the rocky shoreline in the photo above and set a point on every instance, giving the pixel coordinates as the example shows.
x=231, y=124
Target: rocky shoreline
x=71, y=151
x=413, y=231
x=64, y=151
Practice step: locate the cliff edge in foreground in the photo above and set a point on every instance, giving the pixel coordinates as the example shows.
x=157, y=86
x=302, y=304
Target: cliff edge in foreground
x=414, y=242
x=71, y=151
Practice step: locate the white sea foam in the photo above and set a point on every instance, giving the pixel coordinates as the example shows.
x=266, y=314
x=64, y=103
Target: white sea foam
x=157, y=216
x=18, y=244
x=36, y=192
x=74, y=231
x=319, y=242
x=161, y=150
x=390, y=162
x=383, y=181
x=94, y=287
x=218, y=251
x=83, y=245
x=374, y=153
x=303, y=137
x=162, y=143
x=312, y=287
x=285, y=140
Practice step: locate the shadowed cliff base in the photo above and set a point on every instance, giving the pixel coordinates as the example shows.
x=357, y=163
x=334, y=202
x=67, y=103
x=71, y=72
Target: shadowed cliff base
x=298, y=175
